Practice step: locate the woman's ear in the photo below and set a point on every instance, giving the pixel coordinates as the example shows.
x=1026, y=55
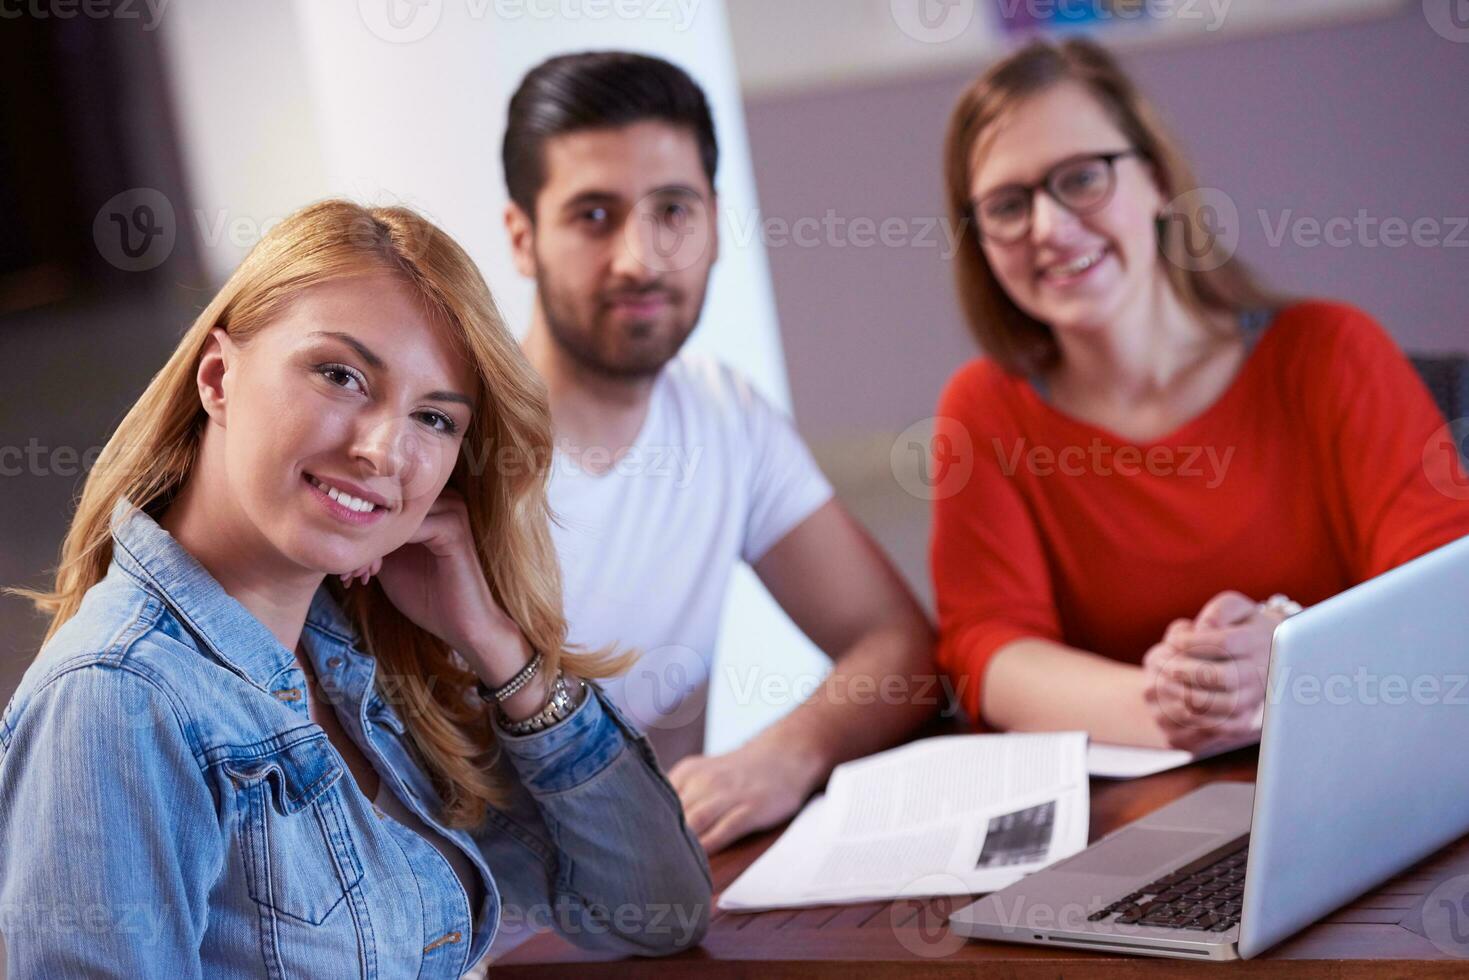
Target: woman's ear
x=213, y=374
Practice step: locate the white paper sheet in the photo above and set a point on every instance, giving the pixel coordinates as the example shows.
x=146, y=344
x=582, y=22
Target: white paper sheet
x=1131, y=762
x=952, y=815
x=1110, y=761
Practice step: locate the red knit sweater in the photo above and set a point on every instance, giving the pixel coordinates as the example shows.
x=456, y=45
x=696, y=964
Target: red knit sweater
x=1323, y=464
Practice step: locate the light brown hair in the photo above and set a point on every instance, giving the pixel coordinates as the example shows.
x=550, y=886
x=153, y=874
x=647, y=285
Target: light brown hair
x=1017, y=341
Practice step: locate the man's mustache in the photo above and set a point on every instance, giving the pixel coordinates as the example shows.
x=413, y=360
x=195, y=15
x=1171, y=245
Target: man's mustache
x=638, y=295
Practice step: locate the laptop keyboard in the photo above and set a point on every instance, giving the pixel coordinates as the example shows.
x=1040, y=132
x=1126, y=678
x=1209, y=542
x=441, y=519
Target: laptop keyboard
x=1204, y=894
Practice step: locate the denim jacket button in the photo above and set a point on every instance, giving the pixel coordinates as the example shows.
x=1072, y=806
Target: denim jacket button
x=289, y=694
x=333, y=663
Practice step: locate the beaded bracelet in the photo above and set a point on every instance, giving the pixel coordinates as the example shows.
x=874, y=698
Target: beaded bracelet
x=513, y=686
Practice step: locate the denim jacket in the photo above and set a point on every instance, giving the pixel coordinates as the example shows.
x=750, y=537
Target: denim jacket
x=169, y=809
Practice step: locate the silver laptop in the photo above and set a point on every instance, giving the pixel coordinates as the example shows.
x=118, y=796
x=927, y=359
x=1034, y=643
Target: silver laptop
x=1362, y=773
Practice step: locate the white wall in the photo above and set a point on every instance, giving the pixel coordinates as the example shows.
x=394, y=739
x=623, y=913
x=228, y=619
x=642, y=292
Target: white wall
x=787, y=46
x=403, y=101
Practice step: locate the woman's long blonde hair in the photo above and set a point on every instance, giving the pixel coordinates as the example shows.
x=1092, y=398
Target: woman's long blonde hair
x=502, y=472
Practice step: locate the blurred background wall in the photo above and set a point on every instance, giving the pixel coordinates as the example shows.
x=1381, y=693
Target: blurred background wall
x=232, y=114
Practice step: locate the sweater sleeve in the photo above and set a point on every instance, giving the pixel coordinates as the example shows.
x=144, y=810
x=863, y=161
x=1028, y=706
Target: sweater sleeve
x=992, y=584
x=1400, y=489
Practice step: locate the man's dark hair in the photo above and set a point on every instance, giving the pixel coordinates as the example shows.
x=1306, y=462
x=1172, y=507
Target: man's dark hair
x=596, y=90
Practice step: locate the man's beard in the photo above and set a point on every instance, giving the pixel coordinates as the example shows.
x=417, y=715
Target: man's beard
x=596, y=347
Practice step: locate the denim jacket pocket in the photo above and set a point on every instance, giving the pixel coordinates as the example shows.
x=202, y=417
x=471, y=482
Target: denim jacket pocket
x=300, y=858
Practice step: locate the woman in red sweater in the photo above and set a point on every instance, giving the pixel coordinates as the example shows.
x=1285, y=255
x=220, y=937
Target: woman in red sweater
x=1154, y=443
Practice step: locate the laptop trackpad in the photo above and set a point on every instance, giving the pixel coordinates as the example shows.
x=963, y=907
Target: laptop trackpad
x=1138, y=852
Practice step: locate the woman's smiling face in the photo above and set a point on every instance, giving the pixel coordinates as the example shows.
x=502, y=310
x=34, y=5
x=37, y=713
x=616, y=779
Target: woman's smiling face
x=356, y=388
x=1116, y=245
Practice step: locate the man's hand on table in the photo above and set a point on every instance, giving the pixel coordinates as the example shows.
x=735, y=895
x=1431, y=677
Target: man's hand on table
x=752, y=788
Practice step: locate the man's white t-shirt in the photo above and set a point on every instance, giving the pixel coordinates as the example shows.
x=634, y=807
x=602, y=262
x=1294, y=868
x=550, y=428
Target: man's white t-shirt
x=716, y=475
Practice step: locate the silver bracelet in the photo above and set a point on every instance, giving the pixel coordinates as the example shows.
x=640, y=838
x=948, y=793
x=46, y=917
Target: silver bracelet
x=514, y=685
x=562, y=703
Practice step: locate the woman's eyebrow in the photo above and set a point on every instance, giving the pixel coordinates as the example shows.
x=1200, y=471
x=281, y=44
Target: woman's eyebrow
x=378, y=364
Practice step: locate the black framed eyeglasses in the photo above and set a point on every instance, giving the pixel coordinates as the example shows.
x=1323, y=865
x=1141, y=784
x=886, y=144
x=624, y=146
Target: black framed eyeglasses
x=1080, y=184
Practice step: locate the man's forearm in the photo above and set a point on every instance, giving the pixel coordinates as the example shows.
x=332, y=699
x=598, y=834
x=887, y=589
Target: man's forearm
x=880, y=690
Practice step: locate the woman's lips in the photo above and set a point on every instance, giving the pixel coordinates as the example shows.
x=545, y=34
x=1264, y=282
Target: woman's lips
x=342, y=513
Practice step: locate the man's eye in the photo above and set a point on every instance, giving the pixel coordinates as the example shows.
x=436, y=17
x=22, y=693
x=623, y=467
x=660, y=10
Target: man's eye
x=594, y=216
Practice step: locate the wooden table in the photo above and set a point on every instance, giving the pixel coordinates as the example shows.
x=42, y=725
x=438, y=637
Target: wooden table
x=1373, y=937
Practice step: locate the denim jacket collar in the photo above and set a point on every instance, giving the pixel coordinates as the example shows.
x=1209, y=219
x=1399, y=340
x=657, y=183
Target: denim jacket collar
x=223, y=625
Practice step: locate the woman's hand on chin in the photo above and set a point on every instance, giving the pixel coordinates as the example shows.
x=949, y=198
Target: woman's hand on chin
x=435, y=580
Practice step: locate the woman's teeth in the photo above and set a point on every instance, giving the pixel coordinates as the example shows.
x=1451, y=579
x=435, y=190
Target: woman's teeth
x=345, y=499
x=1075, y=266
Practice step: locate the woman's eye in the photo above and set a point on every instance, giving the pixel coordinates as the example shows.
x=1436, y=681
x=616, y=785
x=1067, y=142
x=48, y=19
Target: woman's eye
x=334, y=371
x=1080, y=180
x=449, y=426
x=1004, y=208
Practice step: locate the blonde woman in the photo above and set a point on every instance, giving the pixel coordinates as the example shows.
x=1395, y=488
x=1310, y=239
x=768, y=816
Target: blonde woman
x=304, y=707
